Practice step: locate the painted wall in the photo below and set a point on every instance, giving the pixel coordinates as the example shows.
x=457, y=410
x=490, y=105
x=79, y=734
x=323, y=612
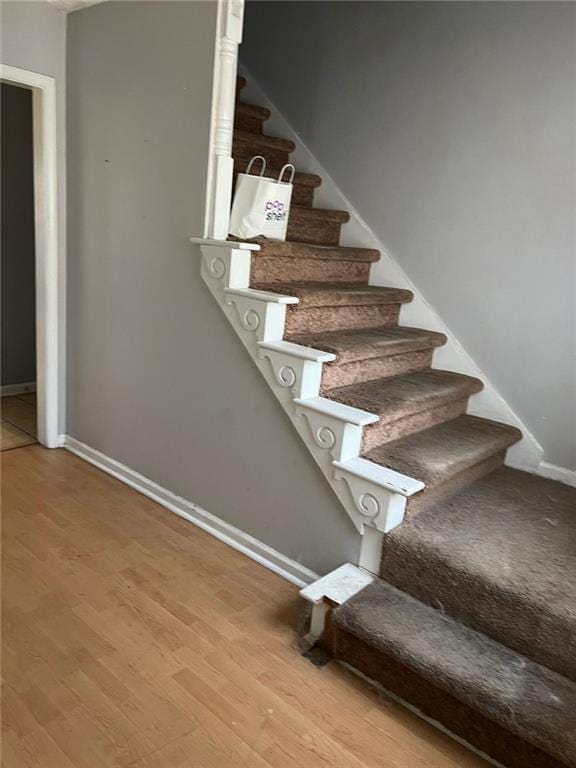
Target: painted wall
x=18, y=302
x=450, y=128
x=33, y=36
x=157, y=379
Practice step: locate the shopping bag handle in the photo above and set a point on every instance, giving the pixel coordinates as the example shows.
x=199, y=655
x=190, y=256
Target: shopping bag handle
x=257, y=157
x=288, y=165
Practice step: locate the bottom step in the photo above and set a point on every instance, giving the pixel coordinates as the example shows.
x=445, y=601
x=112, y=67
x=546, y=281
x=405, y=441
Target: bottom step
x=518, y=712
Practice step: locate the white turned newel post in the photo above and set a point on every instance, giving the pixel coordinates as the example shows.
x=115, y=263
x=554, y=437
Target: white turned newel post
x=221, y=164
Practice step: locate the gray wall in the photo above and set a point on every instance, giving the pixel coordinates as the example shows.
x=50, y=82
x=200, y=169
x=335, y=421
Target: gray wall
x=157, y=378
x=33, y=37
x=17, y=247
x=450, y=127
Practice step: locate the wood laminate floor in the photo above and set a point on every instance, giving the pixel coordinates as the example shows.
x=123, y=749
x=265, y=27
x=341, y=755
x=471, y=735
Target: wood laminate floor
x=132, y=638
x=17, y=421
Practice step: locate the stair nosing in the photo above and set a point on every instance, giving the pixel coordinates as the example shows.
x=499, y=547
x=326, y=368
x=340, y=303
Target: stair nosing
x=386, y=296
x=270, y=142
x=252, y=110
x=301, y=178
x=323, y=214
x=296, y=250
x=466, y=388
x=508, y=436
x=428, y=340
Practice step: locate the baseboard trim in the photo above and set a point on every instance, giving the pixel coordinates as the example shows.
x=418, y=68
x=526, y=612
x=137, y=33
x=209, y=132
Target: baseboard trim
x=274, y=561
x=17, y=389
x=549, y=471
x=552, y=472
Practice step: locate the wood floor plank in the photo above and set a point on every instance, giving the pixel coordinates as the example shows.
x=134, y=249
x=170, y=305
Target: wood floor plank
x=12, y=436
x=132, y=639
x=36, y=750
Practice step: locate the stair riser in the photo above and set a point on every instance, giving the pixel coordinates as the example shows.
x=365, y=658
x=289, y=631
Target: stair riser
x=425, y=499
x=379, y=433
x=517, y=618
x=301, y=195
x=337, y=318
x=313, y=231
x=277, y=269
x=244, y=151
x=335, y=375
x=248, y=123
x=457, y=717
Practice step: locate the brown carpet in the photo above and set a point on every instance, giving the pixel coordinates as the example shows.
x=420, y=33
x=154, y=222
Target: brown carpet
x=474, y=686
x=474, y=619
x=353, y=346
x=500, y=556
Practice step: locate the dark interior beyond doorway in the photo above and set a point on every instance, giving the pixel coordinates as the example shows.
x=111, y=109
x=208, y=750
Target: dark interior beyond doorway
x=18, y=263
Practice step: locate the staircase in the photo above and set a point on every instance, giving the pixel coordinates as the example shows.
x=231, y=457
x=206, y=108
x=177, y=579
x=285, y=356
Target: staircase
x=379, y=367
x=473, y=620
x=473, y=616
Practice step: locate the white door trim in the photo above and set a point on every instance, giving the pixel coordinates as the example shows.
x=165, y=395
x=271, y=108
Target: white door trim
x=49, y=259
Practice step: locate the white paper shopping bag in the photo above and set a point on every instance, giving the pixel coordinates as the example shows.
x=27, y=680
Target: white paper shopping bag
x=261, y=205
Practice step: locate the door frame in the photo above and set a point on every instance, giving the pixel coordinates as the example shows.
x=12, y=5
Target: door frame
x=49, y=253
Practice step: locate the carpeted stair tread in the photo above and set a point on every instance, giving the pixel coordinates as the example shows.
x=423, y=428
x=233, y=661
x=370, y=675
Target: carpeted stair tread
x=261, y=140
x=500, y=556
x=322, y=214
x=291, y=250
x=252, y=110
x=365, y=344
x=272, y=171
x=399, y=396
x=338, y=294
x=439, y=453
x=527, y=699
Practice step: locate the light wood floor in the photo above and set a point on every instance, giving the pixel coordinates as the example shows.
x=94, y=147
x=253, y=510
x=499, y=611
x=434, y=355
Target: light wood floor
x=18, y=421
x=132, y=638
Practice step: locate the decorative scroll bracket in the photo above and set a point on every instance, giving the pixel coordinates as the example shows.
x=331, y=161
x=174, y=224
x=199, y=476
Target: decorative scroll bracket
x=373, y=496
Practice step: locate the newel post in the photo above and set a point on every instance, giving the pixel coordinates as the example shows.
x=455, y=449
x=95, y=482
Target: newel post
x=221, y=164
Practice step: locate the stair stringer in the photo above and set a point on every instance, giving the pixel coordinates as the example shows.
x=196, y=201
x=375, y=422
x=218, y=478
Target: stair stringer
x=374, y=497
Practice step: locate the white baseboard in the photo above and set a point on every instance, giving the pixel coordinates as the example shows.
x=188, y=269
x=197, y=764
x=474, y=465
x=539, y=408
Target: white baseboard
x=562, y=474
x=17, y=389
x=274, y=561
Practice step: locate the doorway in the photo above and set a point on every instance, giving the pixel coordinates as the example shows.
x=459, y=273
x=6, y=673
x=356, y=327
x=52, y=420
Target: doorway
x=18, y=425
x=32, y=262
